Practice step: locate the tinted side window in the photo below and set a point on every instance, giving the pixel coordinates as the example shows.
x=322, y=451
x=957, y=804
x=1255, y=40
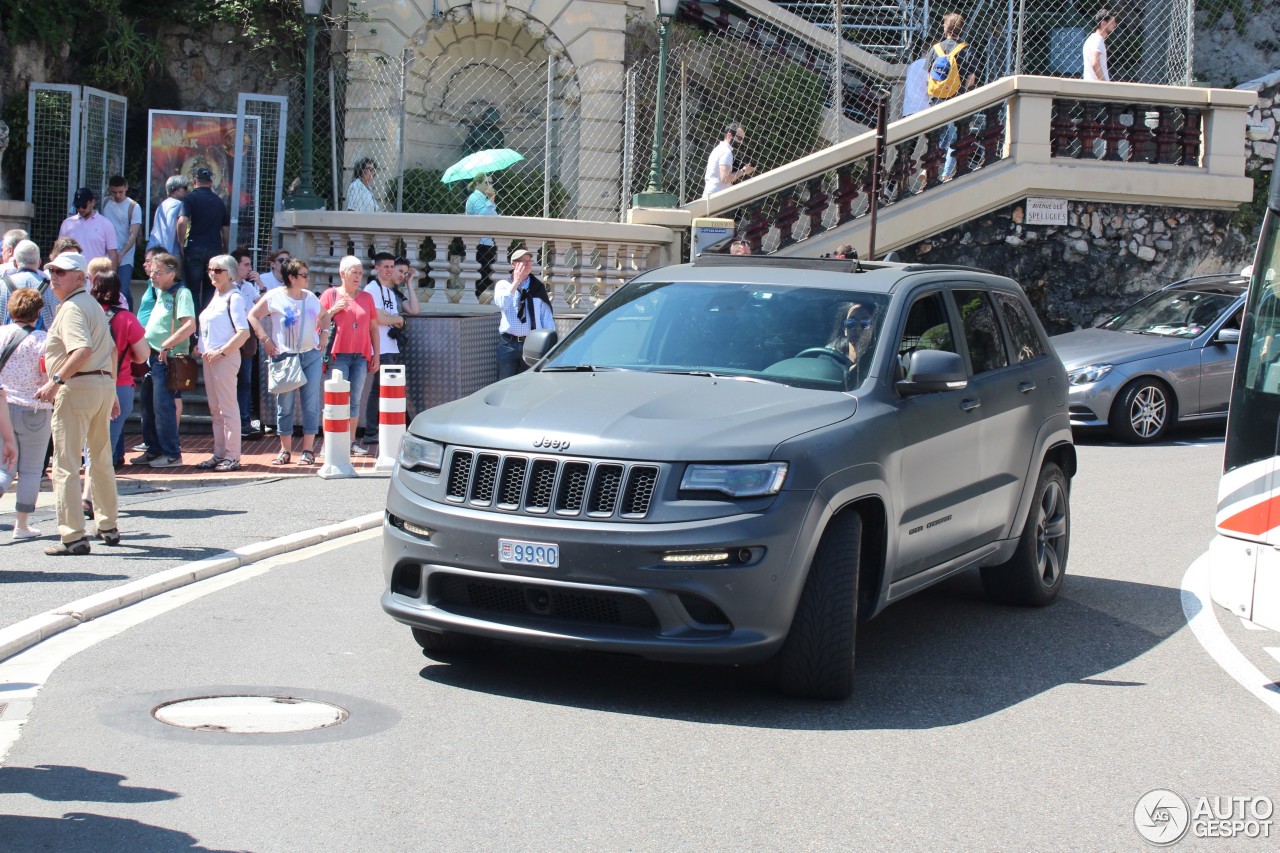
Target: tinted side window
x=981, y=330
x=928, y=326
x=1027, y=344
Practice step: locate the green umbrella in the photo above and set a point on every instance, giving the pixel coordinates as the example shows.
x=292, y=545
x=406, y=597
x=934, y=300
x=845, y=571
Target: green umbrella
x=481, y=162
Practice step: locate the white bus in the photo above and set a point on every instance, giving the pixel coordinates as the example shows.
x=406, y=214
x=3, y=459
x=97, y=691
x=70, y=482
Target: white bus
x=1245, y=555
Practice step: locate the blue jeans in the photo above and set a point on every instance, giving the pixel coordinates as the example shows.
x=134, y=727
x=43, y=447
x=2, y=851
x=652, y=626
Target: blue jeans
x=310, y=393
x=354, y=369
x=124, y=393
x=510, y=358
x=125, y=271
x=195, y=274
x=947, y=142
x=159, y=414
x=244, y=388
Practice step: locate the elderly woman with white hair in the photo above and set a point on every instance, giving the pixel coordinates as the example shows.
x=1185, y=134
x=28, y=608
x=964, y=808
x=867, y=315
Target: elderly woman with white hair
x=26, y=272
x=224, y=326
x=296, y=320
x=354, y=346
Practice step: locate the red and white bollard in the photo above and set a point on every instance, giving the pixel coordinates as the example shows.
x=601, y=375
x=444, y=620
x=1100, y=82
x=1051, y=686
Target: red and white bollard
x=392, y=411
x=337, y=429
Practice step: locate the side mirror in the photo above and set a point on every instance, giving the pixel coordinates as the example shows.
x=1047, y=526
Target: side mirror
x=537, y=344
x=931, y=370
x=1227, y=336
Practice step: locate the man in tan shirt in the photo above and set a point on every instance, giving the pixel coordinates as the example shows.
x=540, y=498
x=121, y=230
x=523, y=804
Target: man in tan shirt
x=80, y=359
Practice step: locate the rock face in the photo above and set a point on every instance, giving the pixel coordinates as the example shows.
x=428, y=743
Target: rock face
x=1105, y=258
x=1226, y=58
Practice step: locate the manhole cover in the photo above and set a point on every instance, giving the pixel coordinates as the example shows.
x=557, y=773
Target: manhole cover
x=250, y=714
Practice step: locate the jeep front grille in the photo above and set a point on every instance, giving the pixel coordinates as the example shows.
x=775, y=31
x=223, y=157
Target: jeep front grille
x=597, y=490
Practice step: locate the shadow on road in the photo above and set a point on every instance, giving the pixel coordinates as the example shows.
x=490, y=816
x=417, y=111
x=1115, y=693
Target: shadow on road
x=63, y=783
x=1191, y=433
x=56, y=577
x=92, y=833
x=942, y=657
x=178, y=514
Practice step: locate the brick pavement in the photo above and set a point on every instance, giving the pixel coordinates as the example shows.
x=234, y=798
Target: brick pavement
x=255, y=462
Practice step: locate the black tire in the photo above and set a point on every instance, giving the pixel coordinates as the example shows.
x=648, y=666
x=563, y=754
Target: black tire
x=445, y=642
x=1033, y=576
x=816, y=661
x=1143, y=412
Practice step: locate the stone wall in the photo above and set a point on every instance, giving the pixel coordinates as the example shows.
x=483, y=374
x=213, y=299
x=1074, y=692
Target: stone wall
x=1264, y=117
x=1105, y=258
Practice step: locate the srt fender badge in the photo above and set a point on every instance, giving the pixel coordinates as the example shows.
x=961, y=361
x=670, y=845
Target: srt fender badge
x=552, y=443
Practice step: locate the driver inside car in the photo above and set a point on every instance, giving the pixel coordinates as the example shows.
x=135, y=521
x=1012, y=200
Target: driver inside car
x=854, y=330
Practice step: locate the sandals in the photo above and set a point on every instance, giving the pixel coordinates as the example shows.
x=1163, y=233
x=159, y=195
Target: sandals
x=110, y=537
x=282, y=458
x=228, y=465
x=308, y=458
x=78, y=548
x=210, y=464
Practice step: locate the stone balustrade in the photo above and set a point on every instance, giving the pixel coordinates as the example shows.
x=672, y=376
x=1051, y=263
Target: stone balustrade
x=580, y=262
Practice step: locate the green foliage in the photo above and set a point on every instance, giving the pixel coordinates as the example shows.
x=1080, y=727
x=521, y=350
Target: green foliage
x=423, y=193
x=1248, y=217
x=520, y=193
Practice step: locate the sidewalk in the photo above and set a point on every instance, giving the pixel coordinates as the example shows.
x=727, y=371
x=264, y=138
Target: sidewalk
x=255, y=463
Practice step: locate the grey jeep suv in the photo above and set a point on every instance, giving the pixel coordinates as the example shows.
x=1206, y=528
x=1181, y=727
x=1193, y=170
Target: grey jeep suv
x=736, y=459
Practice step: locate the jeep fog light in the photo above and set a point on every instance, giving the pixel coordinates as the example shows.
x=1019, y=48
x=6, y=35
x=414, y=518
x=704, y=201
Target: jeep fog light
x=696, y=557
x=418, y=454
x=736, y=481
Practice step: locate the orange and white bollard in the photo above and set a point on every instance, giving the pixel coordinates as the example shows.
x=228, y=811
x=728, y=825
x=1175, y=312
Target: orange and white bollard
x=337, y=429
x=392, y=411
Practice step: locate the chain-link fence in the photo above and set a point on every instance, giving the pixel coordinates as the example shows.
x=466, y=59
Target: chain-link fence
x=779, y=76
x=414, y=117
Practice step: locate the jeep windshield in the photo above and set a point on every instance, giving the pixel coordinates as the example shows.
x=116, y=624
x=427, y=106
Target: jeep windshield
x=800, y=336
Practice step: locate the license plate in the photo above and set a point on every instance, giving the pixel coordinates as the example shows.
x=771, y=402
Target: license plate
x=524, y=553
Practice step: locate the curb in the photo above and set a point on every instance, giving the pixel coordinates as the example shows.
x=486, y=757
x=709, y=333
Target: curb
x=23, y=635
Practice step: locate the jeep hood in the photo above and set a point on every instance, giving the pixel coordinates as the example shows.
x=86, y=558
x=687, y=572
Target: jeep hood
x=634, y=415
x=1093, y=346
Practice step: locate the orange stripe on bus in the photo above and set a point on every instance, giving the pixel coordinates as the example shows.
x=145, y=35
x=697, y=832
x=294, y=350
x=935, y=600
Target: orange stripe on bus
x=1256, y=520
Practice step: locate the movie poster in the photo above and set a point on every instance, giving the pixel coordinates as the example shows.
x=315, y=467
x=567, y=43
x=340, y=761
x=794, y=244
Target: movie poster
x=181, y=143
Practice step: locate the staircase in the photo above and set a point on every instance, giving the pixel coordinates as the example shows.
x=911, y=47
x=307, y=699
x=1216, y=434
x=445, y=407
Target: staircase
x=886, y=30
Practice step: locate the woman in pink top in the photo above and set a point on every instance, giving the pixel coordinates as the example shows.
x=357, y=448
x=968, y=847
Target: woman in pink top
x=21, y=376
x=353, y=345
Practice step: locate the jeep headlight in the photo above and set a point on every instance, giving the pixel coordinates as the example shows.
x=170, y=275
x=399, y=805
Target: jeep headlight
x=419, y=454
x=736, y=481
x=1089, y=374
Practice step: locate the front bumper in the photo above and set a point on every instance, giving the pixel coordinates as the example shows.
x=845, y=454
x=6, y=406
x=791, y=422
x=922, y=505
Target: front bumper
x=1090, y=405
x=610, y=592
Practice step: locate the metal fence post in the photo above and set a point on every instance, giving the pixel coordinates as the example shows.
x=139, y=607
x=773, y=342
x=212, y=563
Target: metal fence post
x=628, y=140
x=1022, y=18
x=837, y=65
x=546, y=157
x=334, y=173
x=684, y=128
x=404, y=91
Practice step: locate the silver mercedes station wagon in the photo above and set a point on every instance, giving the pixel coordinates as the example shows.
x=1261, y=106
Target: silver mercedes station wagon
x=738, y=459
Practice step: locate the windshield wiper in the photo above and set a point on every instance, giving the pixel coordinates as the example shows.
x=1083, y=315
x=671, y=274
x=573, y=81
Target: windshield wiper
x=692, y=373
x=580, y=368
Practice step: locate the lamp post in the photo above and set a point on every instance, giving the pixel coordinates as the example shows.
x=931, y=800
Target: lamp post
x=653, y=196
x=304, y=197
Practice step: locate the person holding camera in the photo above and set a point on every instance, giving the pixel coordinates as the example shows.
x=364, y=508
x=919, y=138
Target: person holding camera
x=721, y=174
x=392, y=307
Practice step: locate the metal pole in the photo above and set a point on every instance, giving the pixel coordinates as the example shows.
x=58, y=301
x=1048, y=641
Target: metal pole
x=305, y=198
x=546, y=157
x=837, y=68
x=628, y=141
x=404, y=89
x=334, y=173
x=1189, y=58
x=653, y=196
x=877, y=163
x=684, y=129
x=1022, y=19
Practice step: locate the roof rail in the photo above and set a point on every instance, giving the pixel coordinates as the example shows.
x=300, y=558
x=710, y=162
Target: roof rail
x=712, y=259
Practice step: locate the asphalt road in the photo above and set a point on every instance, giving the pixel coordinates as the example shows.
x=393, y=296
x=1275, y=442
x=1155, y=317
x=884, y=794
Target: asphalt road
x=974, y=727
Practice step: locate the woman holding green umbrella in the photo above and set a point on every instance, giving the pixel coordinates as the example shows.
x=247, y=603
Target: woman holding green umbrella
x=481, y=203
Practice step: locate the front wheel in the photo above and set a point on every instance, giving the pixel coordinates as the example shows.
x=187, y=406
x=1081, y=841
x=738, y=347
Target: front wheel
x=1033, y=576
x=816, y=661
x=1143, y=412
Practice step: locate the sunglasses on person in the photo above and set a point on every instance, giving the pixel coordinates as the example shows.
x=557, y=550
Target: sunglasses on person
x=58, y=272
x=858, y=320
x=214, y=270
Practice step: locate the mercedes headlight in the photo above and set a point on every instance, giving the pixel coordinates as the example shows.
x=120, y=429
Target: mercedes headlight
x=1090, y=374
x=419, y=454
x=736, y=481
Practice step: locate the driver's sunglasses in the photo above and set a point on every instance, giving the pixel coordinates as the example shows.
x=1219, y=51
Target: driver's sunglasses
x=858, y=321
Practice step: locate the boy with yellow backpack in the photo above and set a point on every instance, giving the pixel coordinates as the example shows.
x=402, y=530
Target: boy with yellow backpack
x=950, y=73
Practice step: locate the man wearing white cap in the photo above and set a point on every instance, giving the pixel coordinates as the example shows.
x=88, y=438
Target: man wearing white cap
x=525, y=306
x=79, y=358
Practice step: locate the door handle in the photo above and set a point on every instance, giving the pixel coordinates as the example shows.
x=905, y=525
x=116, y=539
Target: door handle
x=1026, y=387
x=970, y=404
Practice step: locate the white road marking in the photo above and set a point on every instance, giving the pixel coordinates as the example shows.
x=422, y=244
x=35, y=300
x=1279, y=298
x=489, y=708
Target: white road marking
x=1199, y=609
x=1274, y=652
x=1250, y=626
x=22, y=675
